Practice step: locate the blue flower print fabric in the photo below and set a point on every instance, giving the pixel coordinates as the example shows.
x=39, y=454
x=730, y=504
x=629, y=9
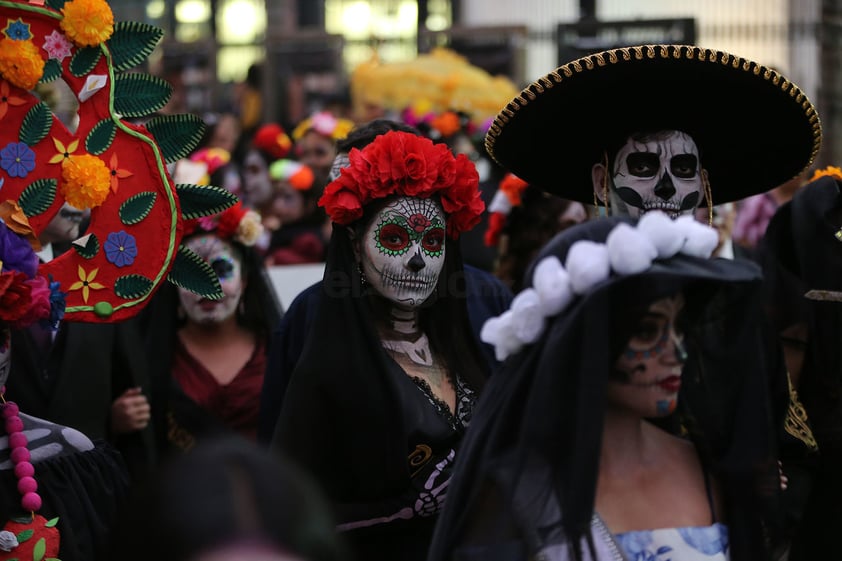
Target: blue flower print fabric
x=703, y=543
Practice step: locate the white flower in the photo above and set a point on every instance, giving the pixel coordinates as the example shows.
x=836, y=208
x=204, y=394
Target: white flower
x=500, y=203
x=498, y=331
x=663, y=232
x=527, y=317
x=552, y=283
x=8, y=541
x=588, y=264
x=629, y=250
x=699, y=240
x=249, y=229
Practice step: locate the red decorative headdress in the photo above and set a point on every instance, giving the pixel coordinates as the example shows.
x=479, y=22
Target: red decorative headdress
x=404, y=164
x=110, y=165
x=508, y=195
x=234, y=223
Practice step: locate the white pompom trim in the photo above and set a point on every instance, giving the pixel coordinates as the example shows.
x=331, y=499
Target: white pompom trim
x=627, y=250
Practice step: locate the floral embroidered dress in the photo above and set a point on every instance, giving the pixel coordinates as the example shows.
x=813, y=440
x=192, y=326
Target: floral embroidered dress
x=696, y=543
x=699, y=543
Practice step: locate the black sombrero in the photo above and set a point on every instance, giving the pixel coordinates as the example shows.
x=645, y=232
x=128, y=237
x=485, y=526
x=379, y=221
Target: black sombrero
x=754, y=128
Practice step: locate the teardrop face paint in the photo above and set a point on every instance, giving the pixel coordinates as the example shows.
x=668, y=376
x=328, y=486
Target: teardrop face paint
x=651, y=363
x=402, y=250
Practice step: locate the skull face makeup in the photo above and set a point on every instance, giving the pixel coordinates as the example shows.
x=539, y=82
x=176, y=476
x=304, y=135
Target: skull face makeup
x=227, y=264
x=401, y=252
x=657, y=172
x=648, y=371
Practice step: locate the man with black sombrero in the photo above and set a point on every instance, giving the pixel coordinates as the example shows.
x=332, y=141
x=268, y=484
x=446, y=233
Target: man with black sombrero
x=671, y=128
x=657, y=127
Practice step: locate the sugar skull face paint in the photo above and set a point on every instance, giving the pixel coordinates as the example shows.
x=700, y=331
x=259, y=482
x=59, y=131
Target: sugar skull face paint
x=228, y=267
x=657, y=172
x=649, y=368
x=402, y=250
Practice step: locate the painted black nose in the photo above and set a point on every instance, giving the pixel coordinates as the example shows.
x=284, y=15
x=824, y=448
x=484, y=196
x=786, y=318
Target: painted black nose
x=665, y=189
x=416, y=263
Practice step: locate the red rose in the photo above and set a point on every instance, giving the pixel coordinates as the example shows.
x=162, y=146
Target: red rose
x=465, y=185
x=418, y=222
x=39, y=307
x=15, y=296
x=468, y=217
x=416, y=167
x=342, y=205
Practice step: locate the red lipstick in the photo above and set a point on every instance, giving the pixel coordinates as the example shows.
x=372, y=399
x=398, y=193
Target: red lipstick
x=670, y=384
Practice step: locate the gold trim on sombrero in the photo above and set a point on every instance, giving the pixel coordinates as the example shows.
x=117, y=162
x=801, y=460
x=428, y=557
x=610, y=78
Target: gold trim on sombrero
x=617, y=56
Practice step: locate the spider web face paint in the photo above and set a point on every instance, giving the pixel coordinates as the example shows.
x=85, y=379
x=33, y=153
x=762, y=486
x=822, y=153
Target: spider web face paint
x=226, y=264
x=403, y=250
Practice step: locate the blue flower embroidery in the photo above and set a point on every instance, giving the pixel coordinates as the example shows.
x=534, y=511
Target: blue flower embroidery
x=120, y=248
x=638, y=546
x=710, y=540
x=17, y=30
x=17, y=159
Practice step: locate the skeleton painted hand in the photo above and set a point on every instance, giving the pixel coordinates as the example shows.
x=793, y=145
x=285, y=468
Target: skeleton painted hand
x=431, y=499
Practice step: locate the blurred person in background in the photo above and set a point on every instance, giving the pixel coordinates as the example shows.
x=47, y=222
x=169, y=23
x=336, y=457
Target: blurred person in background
x=521, y=220
x=315, y=141
x=208, y=357
x=300, y=239
x=227, y=500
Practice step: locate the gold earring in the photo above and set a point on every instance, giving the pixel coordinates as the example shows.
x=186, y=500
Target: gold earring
x=708, y=196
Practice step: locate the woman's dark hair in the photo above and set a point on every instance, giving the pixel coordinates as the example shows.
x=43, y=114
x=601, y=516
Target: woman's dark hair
x=363, y=134
x=528, y=228
x=224, y=492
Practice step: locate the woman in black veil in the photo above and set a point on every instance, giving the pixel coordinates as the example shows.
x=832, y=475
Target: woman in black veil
x=384, y=390
x=632, y=419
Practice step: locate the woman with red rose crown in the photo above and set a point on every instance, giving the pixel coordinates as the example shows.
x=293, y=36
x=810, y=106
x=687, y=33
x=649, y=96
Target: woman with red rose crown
x=384, y=391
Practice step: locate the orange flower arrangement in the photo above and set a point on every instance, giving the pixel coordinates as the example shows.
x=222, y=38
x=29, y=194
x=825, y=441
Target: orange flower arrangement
x=20, y=63
x=87, y=22
x=831, y=171
x=447, y=124
x=87, y=181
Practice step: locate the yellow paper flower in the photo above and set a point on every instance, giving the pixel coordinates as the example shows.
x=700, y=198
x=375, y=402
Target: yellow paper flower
x=63, y=152
x=86, y=283
x=87, y=22
x=87, y=181
x=20, y=63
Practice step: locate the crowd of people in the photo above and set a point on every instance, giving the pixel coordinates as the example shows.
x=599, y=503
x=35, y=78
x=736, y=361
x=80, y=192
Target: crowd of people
x=535, y=338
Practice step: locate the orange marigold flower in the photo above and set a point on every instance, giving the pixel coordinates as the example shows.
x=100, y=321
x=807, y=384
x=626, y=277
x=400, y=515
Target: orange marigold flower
x=831, y=171
x=87, y=181
x=20, y=63
x=447, y=124
x=87, y=22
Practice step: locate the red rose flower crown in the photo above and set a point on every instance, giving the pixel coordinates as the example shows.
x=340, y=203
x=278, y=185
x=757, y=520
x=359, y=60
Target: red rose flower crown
x=404, y=164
